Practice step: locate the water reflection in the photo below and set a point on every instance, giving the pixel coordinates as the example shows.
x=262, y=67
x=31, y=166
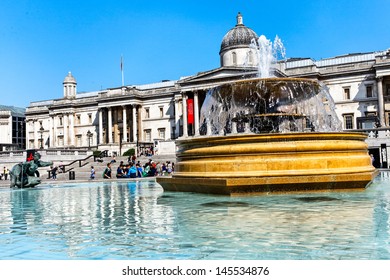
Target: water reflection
x=137, y=220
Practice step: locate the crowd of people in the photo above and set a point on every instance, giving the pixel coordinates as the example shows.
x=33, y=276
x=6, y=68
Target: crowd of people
x=133, y=169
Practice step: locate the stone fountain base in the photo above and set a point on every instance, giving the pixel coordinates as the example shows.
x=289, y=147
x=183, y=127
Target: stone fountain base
x=255, y=163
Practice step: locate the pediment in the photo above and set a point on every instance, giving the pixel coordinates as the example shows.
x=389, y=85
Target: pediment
x=219, y=74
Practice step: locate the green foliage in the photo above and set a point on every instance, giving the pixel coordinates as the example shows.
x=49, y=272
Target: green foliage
x=97, y=153
x=129, y=152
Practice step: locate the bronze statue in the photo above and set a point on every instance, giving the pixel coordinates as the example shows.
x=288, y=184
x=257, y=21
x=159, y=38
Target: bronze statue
x=23, y=174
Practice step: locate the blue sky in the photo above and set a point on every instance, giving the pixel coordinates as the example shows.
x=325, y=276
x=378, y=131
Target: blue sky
x=41, y=41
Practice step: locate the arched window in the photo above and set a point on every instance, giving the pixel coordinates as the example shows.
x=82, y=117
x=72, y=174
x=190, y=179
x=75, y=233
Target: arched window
x=250, y=57
x=234, y=58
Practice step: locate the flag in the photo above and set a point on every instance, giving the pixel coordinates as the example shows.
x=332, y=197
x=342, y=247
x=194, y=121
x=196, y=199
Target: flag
x=121, y=63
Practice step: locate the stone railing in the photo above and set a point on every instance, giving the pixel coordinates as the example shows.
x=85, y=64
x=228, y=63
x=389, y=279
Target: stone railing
x=376, y=136
x=47, y=155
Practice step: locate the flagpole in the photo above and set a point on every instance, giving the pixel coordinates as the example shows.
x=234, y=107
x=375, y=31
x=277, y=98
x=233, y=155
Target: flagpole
x=123, y=78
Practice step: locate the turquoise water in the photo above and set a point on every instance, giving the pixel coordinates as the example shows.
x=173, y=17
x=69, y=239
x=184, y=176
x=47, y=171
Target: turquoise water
x=137, y=220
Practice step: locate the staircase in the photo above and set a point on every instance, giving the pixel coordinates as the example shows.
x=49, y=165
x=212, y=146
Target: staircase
x=83, y=172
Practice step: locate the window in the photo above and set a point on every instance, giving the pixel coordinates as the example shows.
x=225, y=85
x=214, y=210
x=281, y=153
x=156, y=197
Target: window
x=367, y=122
x=60, y=140
x=348, y=121
x=161, y=112
x=147, y=113
x=347, y=94
x=369, y=92
x=161, y=133
x=234, y=58
x=78, y=140
x=250, y=57
x=78, y=119
x=148, y=135
x=89, y=118
x=60, y=120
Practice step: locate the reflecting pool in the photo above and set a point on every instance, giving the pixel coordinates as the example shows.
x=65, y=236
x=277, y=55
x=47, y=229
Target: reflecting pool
x=137, y=220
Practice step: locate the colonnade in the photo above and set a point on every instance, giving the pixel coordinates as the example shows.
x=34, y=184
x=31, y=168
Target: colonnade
x=120, y=121
x=115, y=124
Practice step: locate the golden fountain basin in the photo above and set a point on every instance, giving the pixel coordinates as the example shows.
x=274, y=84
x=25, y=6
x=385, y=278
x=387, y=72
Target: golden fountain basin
x=258, y=163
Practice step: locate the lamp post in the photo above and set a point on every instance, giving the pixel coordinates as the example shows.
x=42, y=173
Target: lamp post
x=120, y=128
x=41, y=129
x=89, y=135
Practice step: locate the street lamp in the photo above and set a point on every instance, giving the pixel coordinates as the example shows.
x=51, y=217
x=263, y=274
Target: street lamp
x=89, y=135
x=41, y=132
x=120, y=128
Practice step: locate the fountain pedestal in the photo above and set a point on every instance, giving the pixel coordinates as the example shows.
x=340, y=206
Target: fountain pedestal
x=255, y=163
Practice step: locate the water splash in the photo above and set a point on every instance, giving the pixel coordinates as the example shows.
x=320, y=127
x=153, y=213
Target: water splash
x=268, y=105
x=267, y=53
x=273, y=105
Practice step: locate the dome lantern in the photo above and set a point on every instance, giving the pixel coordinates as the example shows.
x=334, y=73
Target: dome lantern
x=69, y=86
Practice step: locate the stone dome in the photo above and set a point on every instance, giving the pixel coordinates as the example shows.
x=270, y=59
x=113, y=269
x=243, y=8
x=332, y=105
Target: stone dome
x=69, y=79
x=239, y=36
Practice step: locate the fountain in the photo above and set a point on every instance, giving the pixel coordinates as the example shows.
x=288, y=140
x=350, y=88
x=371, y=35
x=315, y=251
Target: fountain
x=270, y=134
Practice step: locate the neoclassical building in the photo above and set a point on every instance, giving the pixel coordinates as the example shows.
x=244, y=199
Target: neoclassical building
x=150, y=117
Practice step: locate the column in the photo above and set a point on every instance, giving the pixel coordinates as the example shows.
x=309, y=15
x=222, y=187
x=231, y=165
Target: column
x=185, y=127
x=134, y=111
x=71, y=130
x=109, y=125
x=101, y=127
x=177, y=119
x=27, y=134
x=196, y=113
x=381, y=105
x=115, y=117
x=55, y=131
x=65, y=125
x=139, y=122
x=51, y=131
x=124, y=117
x=36, y=137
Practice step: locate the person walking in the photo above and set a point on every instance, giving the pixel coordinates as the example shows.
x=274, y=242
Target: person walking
x=92, y=176
x=6, y=172
x=107, y=171
x=54, y=173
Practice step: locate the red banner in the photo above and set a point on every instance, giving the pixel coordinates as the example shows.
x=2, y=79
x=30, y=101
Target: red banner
x=190, y=111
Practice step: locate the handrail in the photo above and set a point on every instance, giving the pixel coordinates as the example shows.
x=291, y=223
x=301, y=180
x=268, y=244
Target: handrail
x=101, y=154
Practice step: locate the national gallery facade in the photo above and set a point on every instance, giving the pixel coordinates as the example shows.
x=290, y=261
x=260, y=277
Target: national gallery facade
x=150, y=117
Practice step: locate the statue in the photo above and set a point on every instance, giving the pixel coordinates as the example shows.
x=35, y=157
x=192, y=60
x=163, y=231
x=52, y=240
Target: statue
x=23, y=174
